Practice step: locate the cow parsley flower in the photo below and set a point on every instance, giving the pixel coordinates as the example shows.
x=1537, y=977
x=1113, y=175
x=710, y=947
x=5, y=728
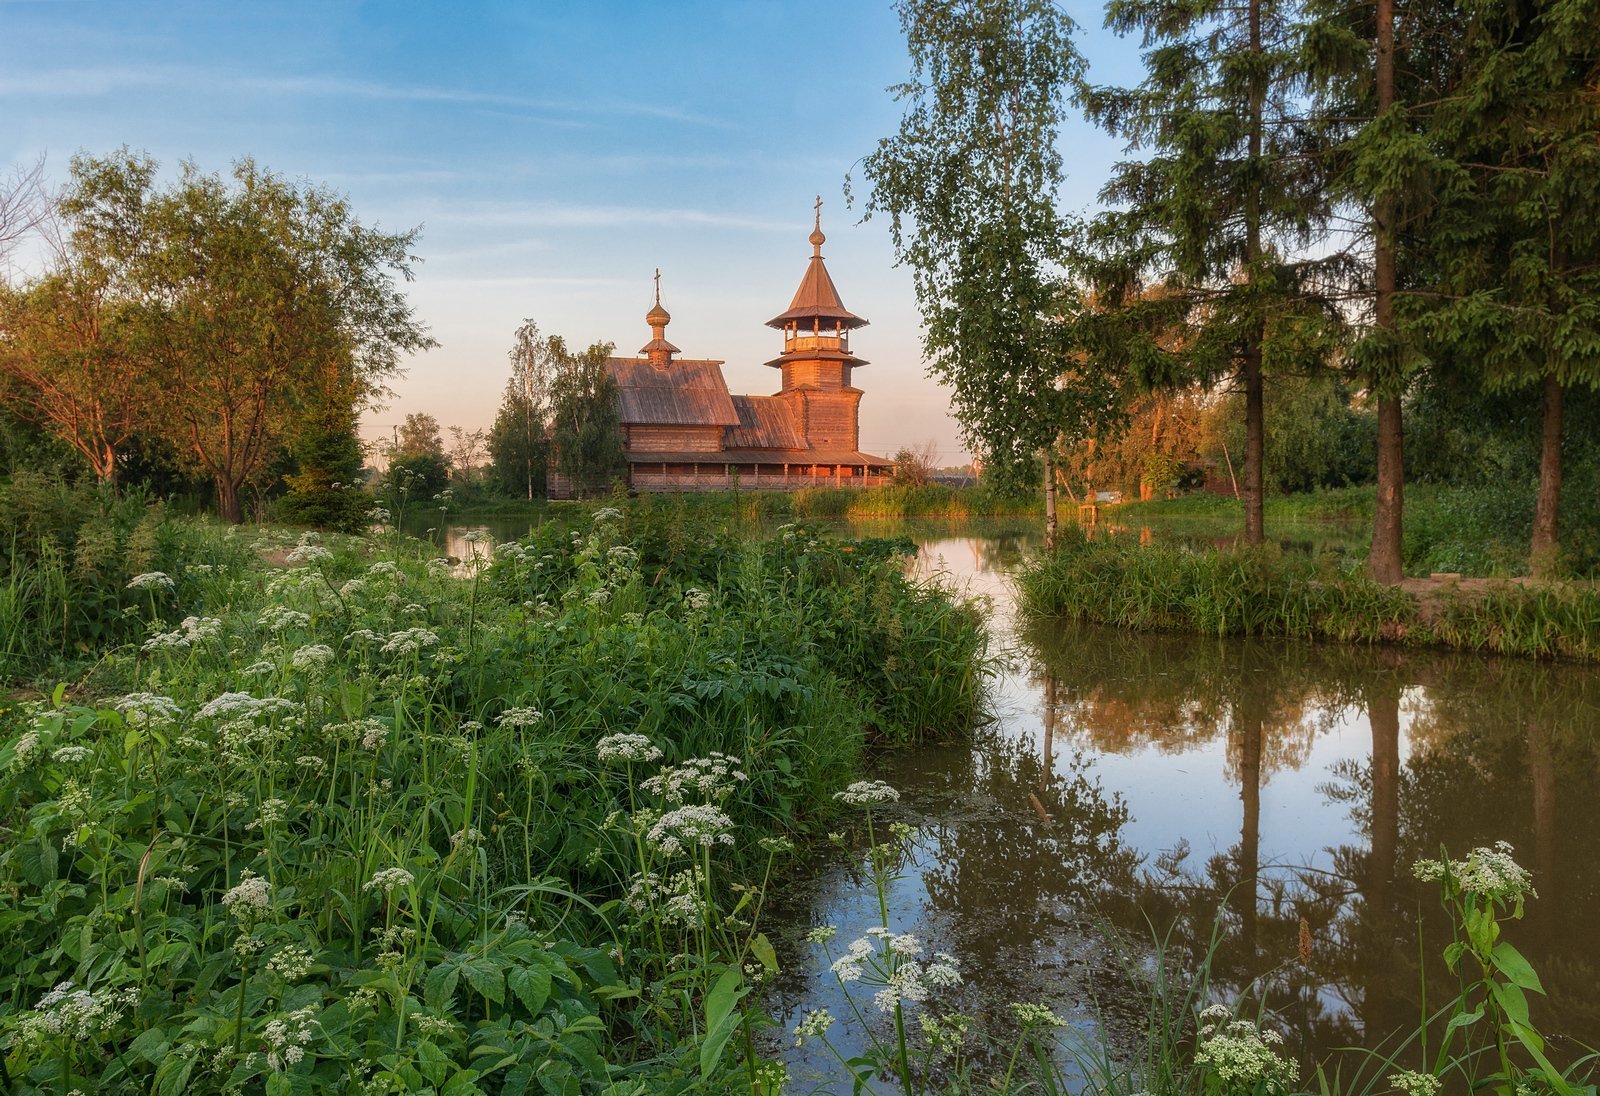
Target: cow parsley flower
x=848, y=967
x=1240, y=1053
x=71, y=755
x=76, y=1014
x=291, y=963
x=627, y=747
x=696, y=599
x=519, y=717
x=251, y=898
x=151, y=580
x=148, y=709
x=606, y=513
x=1030, y=1016
x=313, y=658
x=714, y=777
x=410, y=641
x=686, y=827
x=286, y=1038
x=867, y=793
x=814, y=1024
x=1490, y=872
x=387, y=879
x=1415, y=1084
x=307, y=554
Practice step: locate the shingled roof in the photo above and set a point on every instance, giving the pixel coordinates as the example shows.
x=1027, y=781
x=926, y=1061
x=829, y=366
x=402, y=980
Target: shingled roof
x=817, y=297
x=686, y=393
x=765, y=422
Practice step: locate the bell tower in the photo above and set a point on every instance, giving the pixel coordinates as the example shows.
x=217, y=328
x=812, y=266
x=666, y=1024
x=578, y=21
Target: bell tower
x=816, y=361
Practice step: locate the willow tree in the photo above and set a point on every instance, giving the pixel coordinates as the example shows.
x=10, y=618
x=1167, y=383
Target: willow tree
x=1197, y=263
x=969, y=184
x=1517, y=244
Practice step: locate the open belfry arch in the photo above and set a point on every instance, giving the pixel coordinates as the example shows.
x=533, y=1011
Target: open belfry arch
x=683, y=430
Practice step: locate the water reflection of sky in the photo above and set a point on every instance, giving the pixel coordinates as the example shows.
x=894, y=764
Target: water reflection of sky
x=989, y=882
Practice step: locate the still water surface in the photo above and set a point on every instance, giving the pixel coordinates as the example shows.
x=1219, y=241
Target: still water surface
x=1132, y=780
x=1129, y=781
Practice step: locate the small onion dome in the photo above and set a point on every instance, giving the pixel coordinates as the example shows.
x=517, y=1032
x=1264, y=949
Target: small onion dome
x=658, y=316
x=817, y=238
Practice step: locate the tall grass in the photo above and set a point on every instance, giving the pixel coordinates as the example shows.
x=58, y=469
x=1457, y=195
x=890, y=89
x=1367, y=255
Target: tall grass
x=1264, y=592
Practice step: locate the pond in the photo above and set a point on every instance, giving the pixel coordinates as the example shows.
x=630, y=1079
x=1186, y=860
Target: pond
x=1131, y=783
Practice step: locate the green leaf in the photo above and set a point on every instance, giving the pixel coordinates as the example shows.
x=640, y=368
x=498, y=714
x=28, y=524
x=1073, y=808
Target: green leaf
x=532, y=987
x=1465, y=1019
x=1510, y=962
x=441, y=985
x=462, y=1084
x=761, y=948
x=721, y=1019
x=487, y=977
x=1512, y=1002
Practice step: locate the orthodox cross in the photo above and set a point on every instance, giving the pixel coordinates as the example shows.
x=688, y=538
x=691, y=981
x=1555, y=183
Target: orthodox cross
x=658, y=284
x=819, y=211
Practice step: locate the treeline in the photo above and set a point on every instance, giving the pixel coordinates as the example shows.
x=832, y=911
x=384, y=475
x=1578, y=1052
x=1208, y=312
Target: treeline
x=1389, y=209
x=229, y=329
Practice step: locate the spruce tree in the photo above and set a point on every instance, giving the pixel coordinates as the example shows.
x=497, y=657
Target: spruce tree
x=1198, y=267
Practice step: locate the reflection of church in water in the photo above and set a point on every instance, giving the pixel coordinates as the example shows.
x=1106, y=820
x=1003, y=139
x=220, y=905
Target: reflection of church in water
x=683, y=430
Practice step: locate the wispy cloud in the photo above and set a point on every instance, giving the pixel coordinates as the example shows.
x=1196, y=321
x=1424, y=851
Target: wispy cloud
x=103, y=81
x=563, y=215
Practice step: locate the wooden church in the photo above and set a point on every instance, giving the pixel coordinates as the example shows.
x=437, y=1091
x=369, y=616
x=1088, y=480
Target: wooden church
x=684, y=431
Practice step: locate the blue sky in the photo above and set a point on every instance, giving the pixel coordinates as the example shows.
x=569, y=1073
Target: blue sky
x=554, y=155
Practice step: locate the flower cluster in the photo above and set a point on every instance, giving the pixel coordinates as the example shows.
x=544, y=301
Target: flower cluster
x=1491, y=873
x=519, y=717
x=250, y=899
x=313, y=658
x=410, y=641
x=685, y=827
x=1240, y=1053
x=287, y=1036
x=814, y=1024
x=307, y=554
x=1032, y=1016
x=151, y=580
x=627, y=747
x=387, y=879
x=1415, y=1084
x=280, y=618
x=144, y=709
x=291, y=963
x=77, y=1014
x=867, y=793
x=891, y=962
x=190, y=632
x=679, y=900
x=243, y=706
x=695, y=599
x=713, y=778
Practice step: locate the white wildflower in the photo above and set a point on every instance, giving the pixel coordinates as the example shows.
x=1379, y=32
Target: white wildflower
x=814, y=1024
x=822, y=934
x=848, y=967
x=607, y=513
x=387, y=879
x=251, y=898
x=148, y=709
x=71, y=755
x=151, y=580
x=867, y=793
x=627, y=747
x=1241, y=1057
x=686, y=827
x=713, y=778
x=1415, y=1084
x=696, y=599
x=313, y=658
x=286, y=1038
x=1490, y=872
x=291, y=963
x=308, y=554
x=519, y=717
x=351, y=587
x=1029, y=1015
x=410, y=641
x=280, y=618
x=24, y=750
x=77, y=1015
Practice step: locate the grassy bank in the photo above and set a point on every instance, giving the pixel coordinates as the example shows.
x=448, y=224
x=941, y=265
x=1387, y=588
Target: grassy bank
x=1473, y=531
x=1242, y=592
x=343, y=819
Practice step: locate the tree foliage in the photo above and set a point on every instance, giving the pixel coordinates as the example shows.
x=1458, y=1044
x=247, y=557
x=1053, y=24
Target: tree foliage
x=518, y=448
x=969, y=186
x=211, y=312
x=586, y=428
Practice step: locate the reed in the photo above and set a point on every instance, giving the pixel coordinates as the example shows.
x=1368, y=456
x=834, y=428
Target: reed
x=1264, y=592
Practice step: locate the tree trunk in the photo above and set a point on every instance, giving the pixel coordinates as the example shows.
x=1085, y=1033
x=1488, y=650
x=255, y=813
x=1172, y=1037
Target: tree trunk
x=1049, y=503
x=1249, y=730
x=228, y=505
x=1254, y=414
x=1380, y=1015
x=1383, y=562
x=1547, y=510
x=1254, y=450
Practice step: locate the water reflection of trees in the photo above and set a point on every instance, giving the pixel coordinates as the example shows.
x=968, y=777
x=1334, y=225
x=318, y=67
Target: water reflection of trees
x=1495, y=751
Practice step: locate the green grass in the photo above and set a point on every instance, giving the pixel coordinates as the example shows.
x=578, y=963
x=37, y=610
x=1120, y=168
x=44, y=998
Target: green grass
x=458, y=892
x=1265, y=592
